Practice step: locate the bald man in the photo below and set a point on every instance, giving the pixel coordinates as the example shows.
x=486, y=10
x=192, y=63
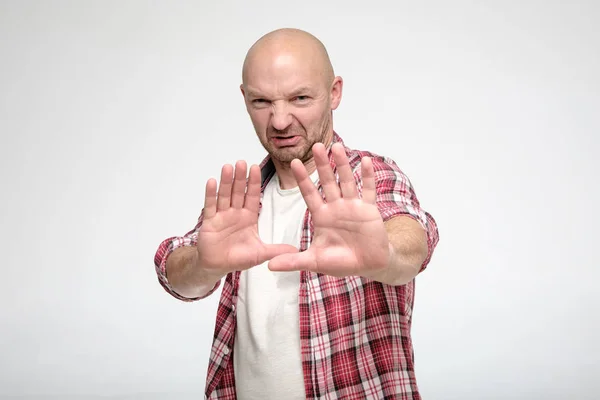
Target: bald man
x=318, y=245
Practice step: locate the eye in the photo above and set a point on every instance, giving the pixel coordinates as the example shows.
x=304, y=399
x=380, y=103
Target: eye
x=301, y=98
x=260, y=102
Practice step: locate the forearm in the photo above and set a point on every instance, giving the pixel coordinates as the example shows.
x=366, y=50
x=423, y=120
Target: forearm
x=407, y=251
x=185, y=276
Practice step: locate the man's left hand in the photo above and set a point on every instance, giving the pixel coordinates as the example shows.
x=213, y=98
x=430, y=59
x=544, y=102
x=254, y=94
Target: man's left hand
x=350, y=238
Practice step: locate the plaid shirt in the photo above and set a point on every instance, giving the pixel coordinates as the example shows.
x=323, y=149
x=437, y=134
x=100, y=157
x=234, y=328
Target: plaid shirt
x=354, y=332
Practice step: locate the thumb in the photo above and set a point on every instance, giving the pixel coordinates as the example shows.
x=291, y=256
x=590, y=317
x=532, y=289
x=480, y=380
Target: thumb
x=273, y=250
x=293, y=262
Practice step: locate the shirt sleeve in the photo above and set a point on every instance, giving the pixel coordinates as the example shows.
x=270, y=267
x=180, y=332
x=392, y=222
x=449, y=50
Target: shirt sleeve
x=165, y=249
x=396, y=196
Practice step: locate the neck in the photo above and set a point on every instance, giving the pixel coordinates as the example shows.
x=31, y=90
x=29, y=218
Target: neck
x=284, y=170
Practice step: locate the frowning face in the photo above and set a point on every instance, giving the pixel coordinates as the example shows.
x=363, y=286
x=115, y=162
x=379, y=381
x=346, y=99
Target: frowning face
x=290, y=102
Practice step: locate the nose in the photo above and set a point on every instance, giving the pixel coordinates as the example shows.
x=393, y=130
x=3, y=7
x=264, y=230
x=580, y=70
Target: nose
x=281, y=117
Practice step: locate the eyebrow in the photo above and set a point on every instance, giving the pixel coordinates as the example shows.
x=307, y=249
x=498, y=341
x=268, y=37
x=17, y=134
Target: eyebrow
x=300, y=90
x=255, y=93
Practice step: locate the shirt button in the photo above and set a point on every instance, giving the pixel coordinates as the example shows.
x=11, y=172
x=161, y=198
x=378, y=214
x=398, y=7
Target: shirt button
x=233, y=308
x=226, y=350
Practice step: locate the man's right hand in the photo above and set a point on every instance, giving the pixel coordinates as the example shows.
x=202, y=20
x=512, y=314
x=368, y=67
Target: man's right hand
x=228, y=239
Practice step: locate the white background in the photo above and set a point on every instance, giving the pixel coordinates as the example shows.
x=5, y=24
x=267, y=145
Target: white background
x=114, y=114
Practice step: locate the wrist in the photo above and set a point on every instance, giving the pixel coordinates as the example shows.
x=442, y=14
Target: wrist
x=387, y=274
x=205, y=277
x=383, y=274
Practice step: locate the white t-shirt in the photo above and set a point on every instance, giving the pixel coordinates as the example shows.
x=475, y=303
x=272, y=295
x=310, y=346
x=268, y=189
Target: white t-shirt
x=266, y=355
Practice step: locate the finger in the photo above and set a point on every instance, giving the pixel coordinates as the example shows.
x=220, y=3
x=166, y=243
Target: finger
x=326, y=176
x=210, y=199
x=369, y=191
x=346, y=177
x=311, y=195
x=252, y=200
x=239, y=185
x=271, y=251
x=224, y=199
x=301, y=261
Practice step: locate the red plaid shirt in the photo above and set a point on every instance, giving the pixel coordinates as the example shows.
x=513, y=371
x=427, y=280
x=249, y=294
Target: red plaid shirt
x=354, y=332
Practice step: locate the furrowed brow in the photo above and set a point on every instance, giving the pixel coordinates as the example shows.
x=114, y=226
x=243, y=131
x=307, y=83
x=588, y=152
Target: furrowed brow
x=300, y=91
x=252, y=93
x=303, y=90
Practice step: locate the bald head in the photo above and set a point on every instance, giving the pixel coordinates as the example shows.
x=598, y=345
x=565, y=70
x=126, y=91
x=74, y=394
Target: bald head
x=287, y=46
x=290, y=92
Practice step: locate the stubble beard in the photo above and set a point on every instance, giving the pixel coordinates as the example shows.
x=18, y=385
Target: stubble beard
x=303, y=151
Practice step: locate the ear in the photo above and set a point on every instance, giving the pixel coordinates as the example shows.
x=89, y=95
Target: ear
x=336, y=92
x=242, y=90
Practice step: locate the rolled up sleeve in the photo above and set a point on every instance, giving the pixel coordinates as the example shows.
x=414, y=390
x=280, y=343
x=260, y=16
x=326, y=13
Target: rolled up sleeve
x=396, y=196
x=165, y=249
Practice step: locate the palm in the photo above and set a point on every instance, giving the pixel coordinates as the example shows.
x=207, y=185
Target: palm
x=228, y=238
x=349, y=237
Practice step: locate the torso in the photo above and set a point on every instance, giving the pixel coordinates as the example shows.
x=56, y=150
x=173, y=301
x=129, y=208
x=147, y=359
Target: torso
x=267, y=356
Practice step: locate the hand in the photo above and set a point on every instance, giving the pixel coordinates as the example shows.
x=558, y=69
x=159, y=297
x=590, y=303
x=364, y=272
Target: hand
x=228, y=239
x=350, y=238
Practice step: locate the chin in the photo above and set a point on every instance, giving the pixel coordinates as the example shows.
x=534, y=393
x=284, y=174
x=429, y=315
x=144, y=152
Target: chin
x=286, y=156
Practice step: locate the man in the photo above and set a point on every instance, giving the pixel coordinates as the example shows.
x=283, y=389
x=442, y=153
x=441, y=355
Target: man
x=319, y=247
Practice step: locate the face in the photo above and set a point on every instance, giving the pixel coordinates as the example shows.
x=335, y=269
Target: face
x=290, y=104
